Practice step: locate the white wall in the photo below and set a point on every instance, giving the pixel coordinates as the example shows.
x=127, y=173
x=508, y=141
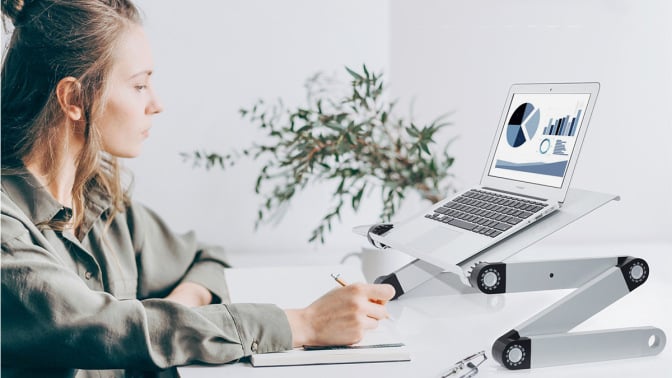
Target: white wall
x=214, y=57
x=463, y=56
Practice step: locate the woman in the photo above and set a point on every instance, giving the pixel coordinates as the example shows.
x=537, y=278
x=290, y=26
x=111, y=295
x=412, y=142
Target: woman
x=91, y=280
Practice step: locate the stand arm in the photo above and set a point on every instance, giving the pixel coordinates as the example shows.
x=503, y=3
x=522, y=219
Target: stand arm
x=543, y=339
x=494, y=278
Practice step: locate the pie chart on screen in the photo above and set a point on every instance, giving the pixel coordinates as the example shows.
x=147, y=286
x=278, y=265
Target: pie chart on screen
x=522, y=125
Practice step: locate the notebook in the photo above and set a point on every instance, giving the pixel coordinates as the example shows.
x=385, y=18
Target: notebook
x=526, y=177
x=379, y=345
x=297, y=287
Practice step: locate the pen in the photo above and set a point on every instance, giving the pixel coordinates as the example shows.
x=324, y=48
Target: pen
x=337, y=278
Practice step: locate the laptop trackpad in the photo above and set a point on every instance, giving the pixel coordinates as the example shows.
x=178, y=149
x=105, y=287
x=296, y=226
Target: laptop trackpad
x=435, y=238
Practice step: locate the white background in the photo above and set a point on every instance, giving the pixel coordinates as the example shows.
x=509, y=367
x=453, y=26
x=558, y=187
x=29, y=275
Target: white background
x=464, y=55
x=213, y=57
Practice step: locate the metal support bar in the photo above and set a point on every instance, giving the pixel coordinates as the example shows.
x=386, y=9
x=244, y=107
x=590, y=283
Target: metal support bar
x=515, y=352
x=580, y=347
x=579, y=305
x=543, y=340
x=541, y=275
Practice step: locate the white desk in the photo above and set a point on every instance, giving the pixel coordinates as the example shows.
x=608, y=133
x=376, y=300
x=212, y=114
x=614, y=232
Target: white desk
x=442, y=325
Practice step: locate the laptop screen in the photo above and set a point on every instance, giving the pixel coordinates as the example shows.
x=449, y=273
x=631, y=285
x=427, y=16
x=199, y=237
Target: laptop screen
x=539, y=136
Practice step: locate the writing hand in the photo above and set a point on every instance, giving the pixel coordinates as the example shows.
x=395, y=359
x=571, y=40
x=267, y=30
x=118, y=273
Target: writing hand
x=340, y=317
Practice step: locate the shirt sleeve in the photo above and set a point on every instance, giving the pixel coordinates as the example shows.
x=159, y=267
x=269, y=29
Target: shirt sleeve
x=51, y=318
x=166, y=259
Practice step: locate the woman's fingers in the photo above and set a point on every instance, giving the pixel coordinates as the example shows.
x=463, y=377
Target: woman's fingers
x=381, y=294
x=376, y=311
x=343, y=315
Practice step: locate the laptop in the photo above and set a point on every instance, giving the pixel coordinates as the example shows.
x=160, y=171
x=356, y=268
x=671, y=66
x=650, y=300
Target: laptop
x=526, y=177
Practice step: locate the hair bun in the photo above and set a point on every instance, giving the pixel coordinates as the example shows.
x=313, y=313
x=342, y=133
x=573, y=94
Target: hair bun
x=13, y=9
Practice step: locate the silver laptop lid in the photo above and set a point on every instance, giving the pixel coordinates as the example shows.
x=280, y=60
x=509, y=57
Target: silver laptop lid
x=539, y=138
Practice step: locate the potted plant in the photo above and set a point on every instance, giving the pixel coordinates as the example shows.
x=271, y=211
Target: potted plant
x=347, y=135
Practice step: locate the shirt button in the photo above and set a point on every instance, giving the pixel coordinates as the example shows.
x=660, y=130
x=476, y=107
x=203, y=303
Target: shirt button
x=88, y=275
x=255, y=346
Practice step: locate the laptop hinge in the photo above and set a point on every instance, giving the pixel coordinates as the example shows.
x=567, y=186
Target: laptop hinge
x=515, y=194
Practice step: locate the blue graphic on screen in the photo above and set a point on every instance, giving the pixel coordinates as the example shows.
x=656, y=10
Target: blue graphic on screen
x=551, y=169
x=522, y=125
x=539, y=155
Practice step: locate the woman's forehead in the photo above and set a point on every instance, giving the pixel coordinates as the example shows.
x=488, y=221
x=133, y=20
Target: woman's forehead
x=133, y=55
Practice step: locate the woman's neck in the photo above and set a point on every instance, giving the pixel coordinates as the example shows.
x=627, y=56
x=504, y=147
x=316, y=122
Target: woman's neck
x=61, y=181
x=59, y=184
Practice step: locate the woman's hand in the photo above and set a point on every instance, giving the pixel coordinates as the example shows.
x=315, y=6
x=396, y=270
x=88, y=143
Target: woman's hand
x=190, y=294
x=341, y=316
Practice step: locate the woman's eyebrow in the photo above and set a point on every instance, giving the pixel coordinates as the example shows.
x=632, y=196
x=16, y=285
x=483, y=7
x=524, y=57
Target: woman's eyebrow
x=145, y=72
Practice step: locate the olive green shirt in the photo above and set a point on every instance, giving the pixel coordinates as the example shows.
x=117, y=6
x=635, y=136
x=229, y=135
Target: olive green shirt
x=92, y=307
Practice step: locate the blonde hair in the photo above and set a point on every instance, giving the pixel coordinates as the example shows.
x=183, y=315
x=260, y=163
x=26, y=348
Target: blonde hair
x=51, y=40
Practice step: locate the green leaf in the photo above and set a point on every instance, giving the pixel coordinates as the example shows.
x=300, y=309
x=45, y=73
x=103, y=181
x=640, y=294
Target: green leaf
x=339, y=190
x=303, y=129
x=335, y=126
x=354, y=74
x=348, y=136
x=412, y=132
x=357, y=198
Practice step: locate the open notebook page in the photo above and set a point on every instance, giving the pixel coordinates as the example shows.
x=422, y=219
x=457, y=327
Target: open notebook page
x=298, y=286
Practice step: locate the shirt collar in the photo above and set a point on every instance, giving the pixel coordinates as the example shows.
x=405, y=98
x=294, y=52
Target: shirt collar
x=40, y=206
x=30, y=196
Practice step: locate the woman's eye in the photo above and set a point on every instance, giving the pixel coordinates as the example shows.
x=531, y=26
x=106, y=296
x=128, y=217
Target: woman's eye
x=140, y=88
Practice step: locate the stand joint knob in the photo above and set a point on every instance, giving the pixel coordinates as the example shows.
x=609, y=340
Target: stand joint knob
x=635, y=271
x=512, y=351
x=489, y=278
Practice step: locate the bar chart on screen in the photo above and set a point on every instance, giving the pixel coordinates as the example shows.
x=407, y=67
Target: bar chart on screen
x=564, y=126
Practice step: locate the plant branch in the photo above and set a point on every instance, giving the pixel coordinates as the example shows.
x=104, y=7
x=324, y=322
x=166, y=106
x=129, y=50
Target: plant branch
x=346, y=135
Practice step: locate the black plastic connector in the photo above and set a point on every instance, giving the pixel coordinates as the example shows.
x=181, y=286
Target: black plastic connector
x=635, y=271
x=490, y=278
x=391, y=279
x=378, y=229
x=512, y=351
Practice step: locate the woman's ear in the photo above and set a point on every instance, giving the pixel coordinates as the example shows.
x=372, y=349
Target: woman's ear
x=68, y=94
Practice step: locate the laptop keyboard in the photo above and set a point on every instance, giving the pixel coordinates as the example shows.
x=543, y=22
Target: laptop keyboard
x=484, y=212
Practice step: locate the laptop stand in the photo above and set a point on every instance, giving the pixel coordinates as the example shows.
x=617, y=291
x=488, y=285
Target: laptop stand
x=544, y=340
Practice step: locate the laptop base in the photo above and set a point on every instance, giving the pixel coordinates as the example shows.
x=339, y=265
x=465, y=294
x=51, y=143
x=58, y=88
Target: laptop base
x=579, y=202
